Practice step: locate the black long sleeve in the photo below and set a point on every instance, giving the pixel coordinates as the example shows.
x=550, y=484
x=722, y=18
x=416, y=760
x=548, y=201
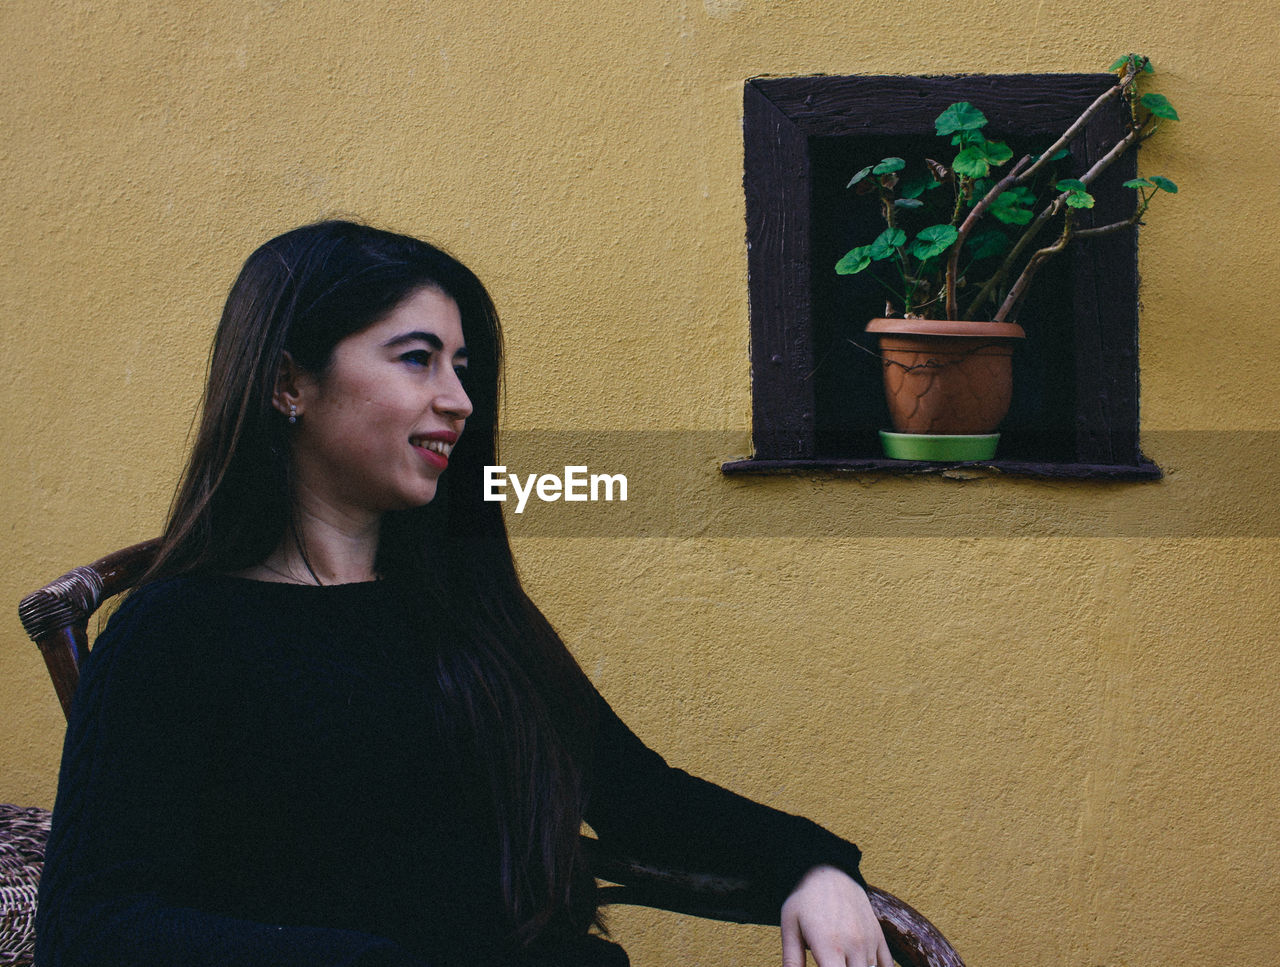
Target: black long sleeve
x=135, y=870
x=645, y=808
x=251, y=777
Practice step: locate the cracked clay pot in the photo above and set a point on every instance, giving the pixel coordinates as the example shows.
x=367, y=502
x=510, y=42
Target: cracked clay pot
x=946, y=377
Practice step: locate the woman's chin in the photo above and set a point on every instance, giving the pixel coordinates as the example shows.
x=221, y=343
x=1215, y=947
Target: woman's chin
x=421, y=498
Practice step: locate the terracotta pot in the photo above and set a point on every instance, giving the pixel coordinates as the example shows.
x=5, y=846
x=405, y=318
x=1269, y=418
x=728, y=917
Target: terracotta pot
x=943, y=376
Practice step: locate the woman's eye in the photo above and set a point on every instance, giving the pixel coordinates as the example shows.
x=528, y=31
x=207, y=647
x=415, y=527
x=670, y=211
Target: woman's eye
x=418, y=357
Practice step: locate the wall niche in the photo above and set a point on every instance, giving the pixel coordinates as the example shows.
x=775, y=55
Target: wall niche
x=817, y=401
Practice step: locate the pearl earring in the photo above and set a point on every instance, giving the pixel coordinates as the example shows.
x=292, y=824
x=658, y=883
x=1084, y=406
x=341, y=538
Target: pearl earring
x=293, y=414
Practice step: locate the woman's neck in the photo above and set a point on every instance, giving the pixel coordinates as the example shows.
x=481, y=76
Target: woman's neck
x=322, y=549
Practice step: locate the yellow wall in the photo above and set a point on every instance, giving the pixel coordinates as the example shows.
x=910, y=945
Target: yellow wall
x=1045, y=710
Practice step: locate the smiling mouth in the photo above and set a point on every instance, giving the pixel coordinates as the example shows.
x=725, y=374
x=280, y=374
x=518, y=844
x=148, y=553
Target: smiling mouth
x=435, y=446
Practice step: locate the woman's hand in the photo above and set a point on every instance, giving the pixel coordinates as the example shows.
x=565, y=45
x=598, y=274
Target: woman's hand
x=829, y=914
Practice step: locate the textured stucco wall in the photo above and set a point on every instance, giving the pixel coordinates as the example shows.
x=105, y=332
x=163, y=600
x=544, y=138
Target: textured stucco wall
x=1045, y=710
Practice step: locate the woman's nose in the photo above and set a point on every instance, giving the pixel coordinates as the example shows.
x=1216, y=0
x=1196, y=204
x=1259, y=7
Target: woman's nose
x=454, y=400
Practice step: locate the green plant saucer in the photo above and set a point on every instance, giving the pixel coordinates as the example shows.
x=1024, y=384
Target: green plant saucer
x=939, y=446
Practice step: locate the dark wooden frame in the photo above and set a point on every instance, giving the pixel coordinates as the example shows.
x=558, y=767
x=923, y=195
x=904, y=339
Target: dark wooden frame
x=783, y=117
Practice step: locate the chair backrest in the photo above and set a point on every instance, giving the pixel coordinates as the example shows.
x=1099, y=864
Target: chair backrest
x=56, y=618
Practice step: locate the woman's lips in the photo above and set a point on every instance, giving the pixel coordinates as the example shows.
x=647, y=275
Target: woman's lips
x=435, y=448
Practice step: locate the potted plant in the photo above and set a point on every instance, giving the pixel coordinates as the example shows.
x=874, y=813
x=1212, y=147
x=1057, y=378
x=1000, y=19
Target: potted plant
x=961, y=246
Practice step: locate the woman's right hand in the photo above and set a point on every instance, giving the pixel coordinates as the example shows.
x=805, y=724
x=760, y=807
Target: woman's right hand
x=830, y=914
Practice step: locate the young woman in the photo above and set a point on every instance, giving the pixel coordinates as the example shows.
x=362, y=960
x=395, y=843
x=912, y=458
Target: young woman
x=330, y=728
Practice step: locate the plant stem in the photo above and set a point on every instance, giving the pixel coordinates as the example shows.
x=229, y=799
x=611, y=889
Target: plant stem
x=1010, y=260
x=1129, y=222
x=1019, y=290
x=1019, y=287
x=1067, y=136
x=1020, y=174
x=1005, y=267
x=975, y=213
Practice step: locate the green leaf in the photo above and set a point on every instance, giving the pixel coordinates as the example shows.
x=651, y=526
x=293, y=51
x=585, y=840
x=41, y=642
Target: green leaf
x=984, y=245
x=1079, y=199
x=913, y=186
x=1022, y=195
x=885, y=243
x=1158, y=105
x=1013, y=216
x=1071, y=184
x=1122, y=62
x=908, y=203
x=854, y=261
x=1138, y=183
x=980, y=188
x=1056, y=156
x=1164, y=184
x=859, y=176
x=933, y=240
x=977, y=160
x=961, y=116
x=998, y=152
x=1011, y=207
x=971, y=163
x=888, y=166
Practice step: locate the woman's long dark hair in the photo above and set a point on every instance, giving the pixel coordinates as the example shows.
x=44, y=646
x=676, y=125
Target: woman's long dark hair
x=511, y=696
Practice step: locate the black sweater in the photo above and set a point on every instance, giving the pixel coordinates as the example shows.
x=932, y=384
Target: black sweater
x=250, y=777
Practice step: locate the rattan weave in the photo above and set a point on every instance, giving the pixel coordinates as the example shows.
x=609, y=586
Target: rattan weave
x=23, y=832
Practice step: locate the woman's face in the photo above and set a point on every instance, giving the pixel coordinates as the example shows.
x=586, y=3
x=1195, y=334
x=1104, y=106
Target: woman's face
x=374, y=432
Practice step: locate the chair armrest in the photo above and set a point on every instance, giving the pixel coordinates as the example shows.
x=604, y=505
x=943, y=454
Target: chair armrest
x=56, y=616
x=912, y=939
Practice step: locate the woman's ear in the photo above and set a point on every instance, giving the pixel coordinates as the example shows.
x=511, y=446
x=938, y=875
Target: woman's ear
x=287, y=397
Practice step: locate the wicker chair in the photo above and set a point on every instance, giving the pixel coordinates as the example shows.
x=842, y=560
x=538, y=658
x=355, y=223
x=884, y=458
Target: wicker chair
x=22, y=837
x=56, y=618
